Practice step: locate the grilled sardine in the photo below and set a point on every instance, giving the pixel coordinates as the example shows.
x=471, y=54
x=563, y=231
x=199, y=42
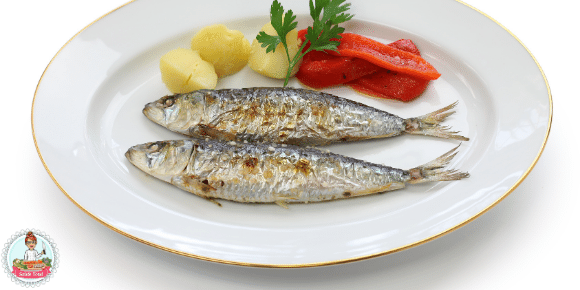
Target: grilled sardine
x=275, y=173
x=286, y=115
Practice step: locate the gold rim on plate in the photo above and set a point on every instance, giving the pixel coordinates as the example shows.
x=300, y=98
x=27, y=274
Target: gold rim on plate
x=336, y=262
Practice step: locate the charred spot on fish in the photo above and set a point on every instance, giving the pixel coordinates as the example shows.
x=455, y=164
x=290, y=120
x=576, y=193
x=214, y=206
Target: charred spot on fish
x=222, y=183
x=251, y=162
x=343, y=139
x=202, y=130
x=209, y=98
x=204, y=186
x=346, y=194
x=318, y=111
x=252, y=110
x=303, y=165
x=282, y=111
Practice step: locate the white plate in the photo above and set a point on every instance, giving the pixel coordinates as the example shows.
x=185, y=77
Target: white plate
x=87, y=113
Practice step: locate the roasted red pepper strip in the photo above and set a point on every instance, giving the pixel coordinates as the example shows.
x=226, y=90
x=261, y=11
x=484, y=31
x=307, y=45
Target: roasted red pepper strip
x=320, y=70
x=392, y=85
x=406, y=45
x=385, y=56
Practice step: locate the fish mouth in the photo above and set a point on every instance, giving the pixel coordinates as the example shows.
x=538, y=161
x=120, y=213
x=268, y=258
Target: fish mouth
x=140, y=159
x=137, y=155
x=157, y=158
x=131, y=155
x=154, y=112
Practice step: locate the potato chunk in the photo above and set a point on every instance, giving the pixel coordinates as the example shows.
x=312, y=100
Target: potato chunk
x=274, y=64
x=183, y=70
x=228, y=50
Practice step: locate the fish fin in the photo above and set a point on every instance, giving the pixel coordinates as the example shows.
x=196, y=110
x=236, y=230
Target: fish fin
x=213, y=200
x=281, y=203
x=429, y=124
x=193, y=184
x=433, y=171
x=205, y=131
x=282, y=200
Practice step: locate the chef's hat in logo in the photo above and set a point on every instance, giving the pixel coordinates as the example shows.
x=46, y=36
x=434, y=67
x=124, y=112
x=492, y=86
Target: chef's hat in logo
x=30, y=258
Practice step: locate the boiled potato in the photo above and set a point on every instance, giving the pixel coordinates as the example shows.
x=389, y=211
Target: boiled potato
x=183, y=70
x=228, y=50
x=274, y=64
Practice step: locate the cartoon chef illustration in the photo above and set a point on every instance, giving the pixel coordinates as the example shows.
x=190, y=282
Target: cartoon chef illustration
x=31, y=254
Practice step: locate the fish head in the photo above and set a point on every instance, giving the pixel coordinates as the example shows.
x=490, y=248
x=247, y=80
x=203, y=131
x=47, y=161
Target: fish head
x=177, y=112
x=161, y=159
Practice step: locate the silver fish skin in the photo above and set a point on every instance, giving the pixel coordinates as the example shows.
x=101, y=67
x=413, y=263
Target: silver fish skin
x=286, y=115
x=275, y=173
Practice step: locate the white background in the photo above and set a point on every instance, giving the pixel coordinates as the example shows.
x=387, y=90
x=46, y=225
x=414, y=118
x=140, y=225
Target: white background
x=529, y=240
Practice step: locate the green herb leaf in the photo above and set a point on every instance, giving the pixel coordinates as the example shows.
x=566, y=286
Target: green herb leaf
x=334, y=11
x=322, y=35
x=268, y=41
x=282, y=22
x=325, y=29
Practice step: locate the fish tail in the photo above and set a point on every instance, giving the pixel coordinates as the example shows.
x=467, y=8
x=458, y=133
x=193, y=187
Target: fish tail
x=429, y=124
x=433, y=171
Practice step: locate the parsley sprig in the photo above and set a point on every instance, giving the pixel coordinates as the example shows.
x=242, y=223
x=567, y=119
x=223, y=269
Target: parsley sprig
x=327, y=15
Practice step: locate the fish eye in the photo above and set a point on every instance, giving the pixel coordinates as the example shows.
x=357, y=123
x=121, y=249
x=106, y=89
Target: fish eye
x=155, y=146
x=169, y=102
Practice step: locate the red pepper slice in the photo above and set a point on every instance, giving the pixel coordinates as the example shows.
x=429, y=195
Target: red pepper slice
x=320, y=70
x=392, y=85
x=385, y=56
x=402, y=44
x=406, y=45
